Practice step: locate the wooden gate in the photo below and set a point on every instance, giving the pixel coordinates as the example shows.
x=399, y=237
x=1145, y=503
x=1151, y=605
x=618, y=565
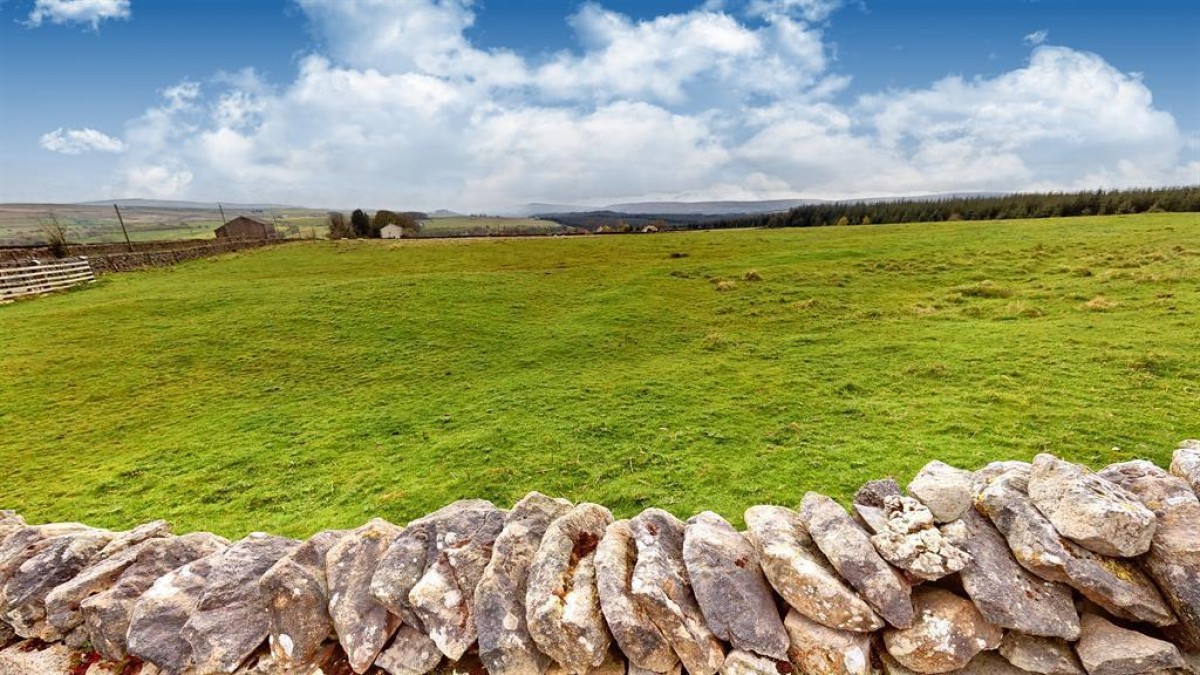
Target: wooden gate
x=34, y=277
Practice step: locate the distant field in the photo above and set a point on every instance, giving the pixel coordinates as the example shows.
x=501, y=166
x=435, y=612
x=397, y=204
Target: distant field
x=318, y=384
x=21, y=223
x=460, y=225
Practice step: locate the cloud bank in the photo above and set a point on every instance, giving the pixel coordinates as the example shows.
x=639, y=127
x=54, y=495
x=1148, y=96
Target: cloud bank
x=91, y=12
x=79, y=141
x=401, y=109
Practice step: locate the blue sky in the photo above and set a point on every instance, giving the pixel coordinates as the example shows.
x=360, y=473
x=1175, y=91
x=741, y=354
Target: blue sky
x=482, y=105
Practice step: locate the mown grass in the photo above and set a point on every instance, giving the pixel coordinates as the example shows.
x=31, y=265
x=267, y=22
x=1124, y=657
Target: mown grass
x=317, y=384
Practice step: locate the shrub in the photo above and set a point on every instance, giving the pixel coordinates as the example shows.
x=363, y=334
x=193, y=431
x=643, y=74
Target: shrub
x=56, y=236
x=338, y=227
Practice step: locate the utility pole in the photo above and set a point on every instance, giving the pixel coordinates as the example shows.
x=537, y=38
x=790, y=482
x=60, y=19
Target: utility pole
x=125, y=232
x=223, y=221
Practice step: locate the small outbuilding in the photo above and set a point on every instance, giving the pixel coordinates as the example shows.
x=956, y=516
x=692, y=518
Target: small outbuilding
x=245, y=227
x=392, y=231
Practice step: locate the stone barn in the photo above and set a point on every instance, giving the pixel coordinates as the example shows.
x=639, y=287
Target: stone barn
x=245, y=227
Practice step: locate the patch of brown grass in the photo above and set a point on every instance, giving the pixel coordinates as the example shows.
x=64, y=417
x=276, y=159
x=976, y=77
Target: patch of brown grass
x=1099, y=304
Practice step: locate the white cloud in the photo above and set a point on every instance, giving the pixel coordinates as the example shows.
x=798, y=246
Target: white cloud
x=91, y=12
x=1037, y=37
x=809, y=10
x=79, y=141
x=680, y=57
x=404, y=111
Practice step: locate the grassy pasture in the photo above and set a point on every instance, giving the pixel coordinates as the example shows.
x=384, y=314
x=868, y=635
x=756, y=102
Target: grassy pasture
x=316, y=384
x=482, y=225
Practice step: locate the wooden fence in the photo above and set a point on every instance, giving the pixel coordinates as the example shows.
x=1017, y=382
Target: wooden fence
x=33, y=277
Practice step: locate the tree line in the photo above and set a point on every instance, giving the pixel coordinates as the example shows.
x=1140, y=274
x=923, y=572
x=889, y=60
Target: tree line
x=363, y=226
x=999, y=207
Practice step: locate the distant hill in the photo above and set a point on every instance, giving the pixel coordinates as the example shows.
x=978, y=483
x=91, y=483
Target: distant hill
x=711, y=208
x=727, y=208
x=179, y=204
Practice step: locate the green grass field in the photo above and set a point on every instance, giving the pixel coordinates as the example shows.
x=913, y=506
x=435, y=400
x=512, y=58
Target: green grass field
x=318, y=384
x=460, y=225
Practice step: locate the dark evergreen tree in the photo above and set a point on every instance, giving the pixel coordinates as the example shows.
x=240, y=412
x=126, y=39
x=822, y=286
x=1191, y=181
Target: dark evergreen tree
x=360, y=222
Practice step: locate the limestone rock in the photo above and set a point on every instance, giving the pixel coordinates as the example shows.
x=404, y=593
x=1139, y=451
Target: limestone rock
x=1045, y=656
x=613, y=664
x=989, y=663
x=661, y=588
x=363, y=625
x=1092, y=512
x=984, y=477
x=26, y=542
x=852, y=554
x=1004, y=592
x=909, y=540
x=402, y=566
x=107, y=614
x=801, y=575
x=410, y=653
x=733, y=595
x=562, y=606
x=230, y=621
x=738, y=662
x=1116, y=585
x=945, y=490
x=815, y=648
x=1106, y=649
x=34, y=658
x=642, y=642
x=634, y=669
x=63, y=604
x=1174, y=558
x=505, y=646
x=891, y=666
x=1186, y=464
x=63, y=557
x=869, y=502
x=156, y=624
x=948, y=632
x=444, y=597
x=1191, y=662
x=411, y=555
x=297, y=597
x=124, y=540
x=10, y=523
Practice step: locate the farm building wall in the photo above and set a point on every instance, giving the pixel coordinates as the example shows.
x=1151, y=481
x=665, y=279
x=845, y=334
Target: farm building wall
x=244, y=227
x=1015, y=568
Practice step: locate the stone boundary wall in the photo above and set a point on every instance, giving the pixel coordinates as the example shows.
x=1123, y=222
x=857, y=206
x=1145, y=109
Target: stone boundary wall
x=1016, y=568
x=117, y=258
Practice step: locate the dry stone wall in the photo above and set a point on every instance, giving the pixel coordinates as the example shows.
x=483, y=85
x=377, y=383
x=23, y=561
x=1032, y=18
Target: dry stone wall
x=1043, y=568
x=106, y=258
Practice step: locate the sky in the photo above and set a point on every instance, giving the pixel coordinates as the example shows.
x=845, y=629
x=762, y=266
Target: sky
x=483, y=105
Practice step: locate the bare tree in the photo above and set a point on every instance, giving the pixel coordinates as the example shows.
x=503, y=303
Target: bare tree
x=55, y=234
x=338, y=227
